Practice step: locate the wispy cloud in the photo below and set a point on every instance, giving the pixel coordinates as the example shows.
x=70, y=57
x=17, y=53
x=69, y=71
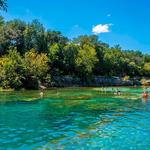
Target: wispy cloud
x=101, y=28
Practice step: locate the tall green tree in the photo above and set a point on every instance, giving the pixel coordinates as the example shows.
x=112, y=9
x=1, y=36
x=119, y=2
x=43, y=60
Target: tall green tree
x=55, y=37
x=56, y=59
x=35, y=37
x=70, y=53
x=85, y=61
x=11, y=35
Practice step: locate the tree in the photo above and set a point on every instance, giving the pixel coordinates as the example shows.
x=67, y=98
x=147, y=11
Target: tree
x=35, y=37
x=147, y=68
x=70, y=53
x=113, y=61
x=91, y=40
x=85, y=61
x=11, y=74
x=55, y=37
x=100, y=48
x=56, y=43
x=15, y=29
x=100, y=67
x=147, y=58
x=11, y=34
x=55, y=56
x=3, y=5
x=36, y=68
x=134, y=62
x=52, y=53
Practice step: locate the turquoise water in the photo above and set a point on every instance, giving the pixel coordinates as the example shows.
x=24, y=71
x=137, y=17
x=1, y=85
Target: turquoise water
x=74, y=119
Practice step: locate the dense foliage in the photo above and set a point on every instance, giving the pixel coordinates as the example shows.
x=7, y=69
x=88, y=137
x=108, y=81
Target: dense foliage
x=30, y=54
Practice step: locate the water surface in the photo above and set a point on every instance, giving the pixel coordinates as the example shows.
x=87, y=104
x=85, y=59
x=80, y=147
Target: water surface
x=74, y=119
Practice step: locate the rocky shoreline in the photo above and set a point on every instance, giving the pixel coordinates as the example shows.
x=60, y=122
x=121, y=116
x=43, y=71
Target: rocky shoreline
x=69, y=81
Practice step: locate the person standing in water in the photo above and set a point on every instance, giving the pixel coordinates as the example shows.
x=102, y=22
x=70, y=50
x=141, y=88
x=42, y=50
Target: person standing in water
x=42, y=88
x=118, y=92
x=41, y=94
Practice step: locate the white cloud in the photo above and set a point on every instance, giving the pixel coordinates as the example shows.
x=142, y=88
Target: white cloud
x=101, y=28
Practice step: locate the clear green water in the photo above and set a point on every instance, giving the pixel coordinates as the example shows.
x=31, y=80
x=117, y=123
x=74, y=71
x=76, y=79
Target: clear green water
x=74, y=119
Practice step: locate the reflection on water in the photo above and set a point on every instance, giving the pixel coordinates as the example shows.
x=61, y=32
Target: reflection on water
x=79, y=118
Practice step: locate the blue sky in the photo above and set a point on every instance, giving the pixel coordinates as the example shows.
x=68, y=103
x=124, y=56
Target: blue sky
x=124, y=22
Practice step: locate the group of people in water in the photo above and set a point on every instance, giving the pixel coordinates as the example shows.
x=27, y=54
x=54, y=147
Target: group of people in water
x=144, y=93
x=115, y=91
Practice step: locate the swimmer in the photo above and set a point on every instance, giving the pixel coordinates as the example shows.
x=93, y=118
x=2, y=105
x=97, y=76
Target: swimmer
x=117, y=92
x=41, y=94
x=145, y=94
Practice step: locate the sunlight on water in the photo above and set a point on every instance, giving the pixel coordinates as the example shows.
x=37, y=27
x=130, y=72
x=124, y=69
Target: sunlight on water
x=75, y=118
